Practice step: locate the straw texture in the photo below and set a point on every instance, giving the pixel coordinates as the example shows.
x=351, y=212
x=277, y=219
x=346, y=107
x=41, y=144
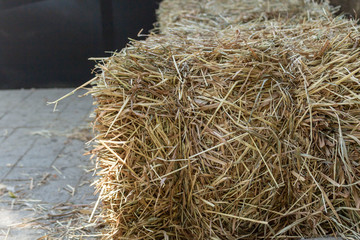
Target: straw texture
x=234, y=122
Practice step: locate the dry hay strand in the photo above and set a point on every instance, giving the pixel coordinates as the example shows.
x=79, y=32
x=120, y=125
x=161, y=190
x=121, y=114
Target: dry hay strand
x=251, y=132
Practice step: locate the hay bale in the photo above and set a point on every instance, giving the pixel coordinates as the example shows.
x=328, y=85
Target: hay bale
x=248, y=132
x=175, y=15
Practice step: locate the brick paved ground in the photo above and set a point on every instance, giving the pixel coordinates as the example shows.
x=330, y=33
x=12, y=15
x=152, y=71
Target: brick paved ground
x=43, y=182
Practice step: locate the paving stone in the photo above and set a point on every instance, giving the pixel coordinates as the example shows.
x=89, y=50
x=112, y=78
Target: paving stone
x=13, y=98
x=16, y=119
x=4, y=94
x=37, y=101
x=83, y=195
x=44, y=152
x=5, y=133
x=55, y=191
x=15, y=146
x=27, y=173
x=69, y=172
x=73, y=154
x=12, y=225
x=85, y=192
x=63, y=121
x=25, y=233
x=9, y=159
x=3, y=171
x=9, y=217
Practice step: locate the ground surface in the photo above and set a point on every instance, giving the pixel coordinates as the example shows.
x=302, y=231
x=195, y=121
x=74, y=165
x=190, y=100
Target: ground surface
x=45, y=180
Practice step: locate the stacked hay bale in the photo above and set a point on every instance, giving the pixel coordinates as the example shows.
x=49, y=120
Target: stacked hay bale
x=174, y=15
x=238, y=124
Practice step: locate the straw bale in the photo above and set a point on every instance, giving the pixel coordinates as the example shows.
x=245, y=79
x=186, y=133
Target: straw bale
x=248, y=132
x=220, y=14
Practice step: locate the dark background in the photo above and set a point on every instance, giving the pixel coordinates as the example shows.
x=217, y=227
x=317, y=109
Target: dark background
x=46, y=43
x=351, y=7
